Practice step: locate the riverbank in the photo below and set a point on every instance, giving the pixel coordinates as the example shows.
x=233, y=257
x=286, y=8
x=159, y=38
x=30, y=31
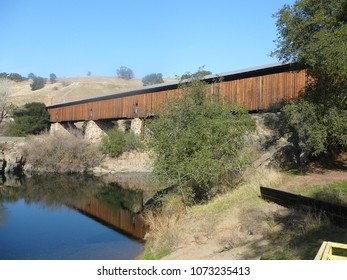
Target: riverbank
x=240, y=225
x=221, y=229
x=11, y=155
x=65, y=154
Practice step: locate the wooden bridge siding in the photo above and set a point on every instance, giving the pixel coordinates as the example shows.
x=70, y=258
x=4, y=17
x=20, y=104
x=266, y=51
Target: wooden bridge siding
x=260, y=92
x=256, y=92
x=121, y=219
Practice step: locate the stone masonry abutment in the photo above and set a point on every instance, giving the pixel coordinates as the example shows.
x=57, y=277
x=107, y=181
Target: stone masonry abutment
x=95, y=130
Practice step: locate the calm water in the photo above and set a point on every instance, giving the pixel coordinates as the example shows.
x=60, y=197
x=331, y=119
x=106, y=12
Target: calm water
x=69, y=217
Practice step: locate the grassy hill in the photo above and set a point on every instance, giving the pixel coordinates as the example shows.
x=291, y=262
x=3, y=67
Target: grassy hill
x=69, y=89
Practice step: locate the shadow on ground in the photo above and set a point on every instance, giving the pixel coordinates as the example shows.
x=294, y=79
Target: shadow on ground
x=295, y=234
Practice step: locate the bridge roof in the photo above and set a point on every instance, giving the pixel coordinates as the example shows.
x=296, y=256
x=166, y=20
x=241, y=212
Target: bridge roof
x=247, y=72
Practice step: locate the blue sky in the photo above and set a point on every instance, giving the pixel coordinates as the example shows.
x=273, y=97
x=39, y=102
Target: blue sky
x=70, y=37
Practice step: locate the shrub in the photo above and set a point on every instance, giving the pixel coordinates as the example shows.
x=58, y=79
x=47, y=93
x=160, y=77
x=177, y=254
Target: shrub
x=316, y=128
x=115, y=142
x=313, y=34
x=198, y=74
x=32, y=118
x=12, y=76
x=198, y=140
x=152, y=79
x=132, y=142
x=16, y=77
x=52, y=78
x=38, y=83
x=61, y=153
x=125, y=73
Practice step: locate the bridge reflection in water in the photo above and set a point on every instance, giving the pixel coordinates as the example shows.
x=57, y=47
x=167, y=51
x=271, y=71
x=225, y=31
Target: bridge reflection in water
x=121, y=219
x=105, y=202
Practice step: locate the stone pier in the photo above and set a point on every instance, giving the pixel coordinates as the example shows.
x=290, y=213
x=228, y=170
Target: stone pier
x=95, y=130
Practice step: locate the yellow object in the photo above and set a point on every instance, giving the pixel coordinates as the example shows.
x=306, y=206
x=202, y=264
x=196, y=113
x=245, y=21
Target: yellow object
x=326, y=251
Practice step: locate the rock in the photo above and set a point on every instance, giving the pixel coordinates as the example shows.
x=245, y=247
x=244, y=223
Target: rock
x=11, y=158
x=136, y=126
x=93, y=132
x=128, y=162
x=276, y=151
x=265, y=135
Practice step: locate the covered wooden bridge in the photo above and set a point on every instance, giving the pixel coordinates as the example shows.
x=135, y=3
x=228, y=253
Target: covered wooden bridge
x=257, y=88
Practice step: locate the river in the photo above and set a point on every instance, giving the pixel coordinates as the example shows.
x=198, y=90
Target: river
x=67, y=217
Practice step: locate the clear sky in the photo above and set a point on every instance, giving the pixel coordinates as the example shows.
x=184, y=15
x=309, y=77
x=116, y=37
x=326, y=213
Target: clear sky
x=72, y=37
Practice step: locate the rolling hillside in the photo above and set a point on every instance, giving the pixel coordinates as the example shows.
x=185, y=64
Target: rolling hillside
x=68, y=89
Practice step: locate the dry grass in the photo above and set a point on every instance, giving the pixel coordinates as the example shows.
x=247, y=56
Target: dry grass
x=174, y=226
x=163, y=224
x=68, y=89
x=61, y=153
x=240, y=225
x=335, y=196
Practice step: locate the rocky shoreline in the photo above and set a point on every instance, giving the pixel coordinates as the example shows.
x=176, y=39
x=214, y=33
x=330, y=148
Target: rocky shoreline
x=11, y=157
x=12, y=160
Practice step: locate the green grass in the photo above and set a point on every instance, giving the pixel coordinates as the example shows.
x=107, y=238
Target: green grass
x=304, y=232
x=340, y=252
x=159, y=254
x=294, y=244
x=334, y=192
x=295, y=234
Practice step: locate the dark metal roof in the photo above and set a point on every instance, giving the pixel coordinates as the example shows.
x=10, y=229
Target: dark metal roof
x=227, y=76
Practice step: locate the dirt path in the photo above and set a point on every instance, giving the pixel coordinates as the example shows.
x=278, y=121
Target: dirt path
x=319, y=177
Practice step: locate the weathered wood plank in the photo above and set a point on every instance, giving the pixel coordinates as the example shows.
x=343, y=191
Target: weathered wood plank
x=257, y=91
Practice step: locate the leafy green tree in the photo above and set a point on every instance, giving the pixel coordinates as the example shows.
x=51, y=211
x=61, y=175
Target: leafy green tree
x=125, y=73
x=3, y=75
x=198, y=140
x=12, y=76
x=31, y=76
x=314, y=34
x=52, y=78
x=16, y=77
x=32, y=118
x=152, y=79
x=38, y=83
x=198, y=74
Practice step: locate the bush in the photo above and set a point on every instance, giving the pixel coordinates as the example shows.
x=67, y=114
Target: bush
x=315, y=128
x=12, y=76
x=198, y=140
x=116, y=142
x=125, y=73
x=52, y=78
x=132, y=142
x=32, y=118
x=198, y=74
x=312, y=33
x=113, y=142
x=61, y=153
x=152, y=79
x=38, y=83
x=16, y=77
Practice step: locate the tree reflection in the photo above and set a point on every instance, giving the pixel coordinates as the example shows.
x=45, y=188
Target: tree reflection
x=2, y=208
x=2, y=213
x=56, y=190
x=107, y=202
